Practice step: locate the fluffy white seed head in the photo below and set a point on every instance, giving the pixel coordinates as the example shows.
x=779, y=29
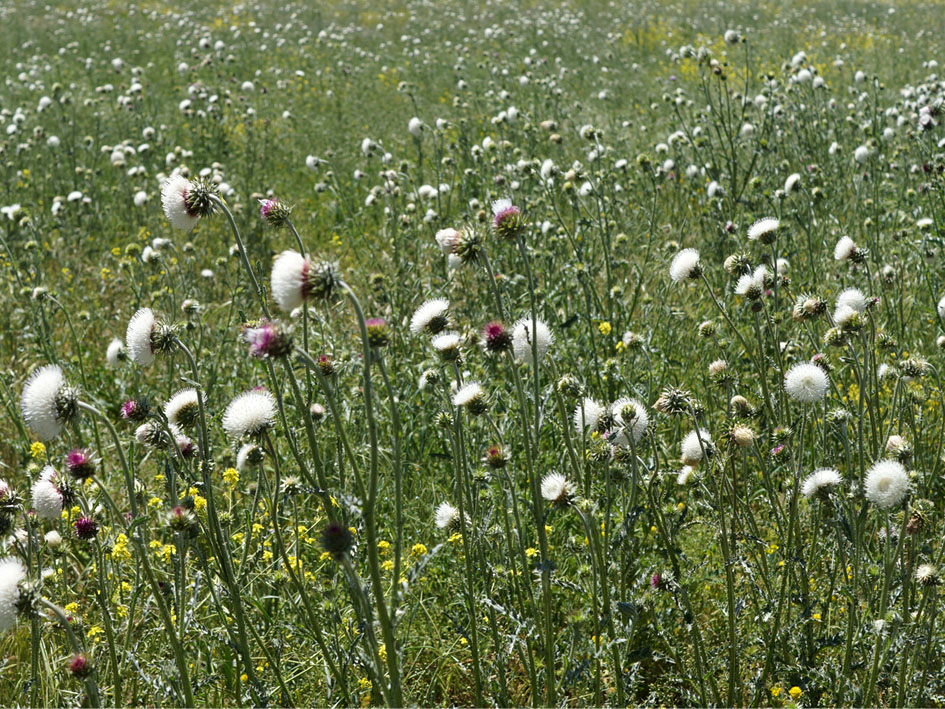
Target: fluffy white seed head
x=820, y=482
x=139, y=337
x=685, y=265
x=174, y=202
x=249, y=414
x=887, y=484
x=524, y=345
x=806, y=383
x=43, y=402
x=12, y=573
x=469, y=393
x=248, y=455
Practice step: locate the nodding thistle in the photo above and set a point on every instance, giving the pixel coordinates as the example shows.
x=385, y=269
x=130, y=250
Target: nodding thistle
x=378, y=332
x=48, y=402
x=673, y=402
x=275, y=212
x=267, y=339
x=337, y=540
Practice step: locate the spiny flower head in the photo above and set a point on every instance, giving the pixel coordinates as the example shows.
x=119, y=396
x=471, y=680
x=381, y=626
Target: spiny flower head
x=337, y=540
x=250, y=414
x=275, y=213
x=185, y=201
x=808, y=306
x=139, y=337
x=629, y=422
x=685, y=266
x=496, y=337
x=506, y=219
x=674, y=402
x=80, y=666
x=183, y=408
x=556, y=488
x=267, y=339
x=496, y=456
x=12, y=574
x=295, y=279
x=378, y=332
x=525, y=345
x=471, y=397
x=820, y=483
x=764, y=230
x=80, y=463
x=447, y=517
x=927, y=575
x=447, y=345
x=116, y=353
x=887, y=484
x=48, y=402
x=696, y=446
x=135, y=409
x=430, y=317
x=806, y=383
x=85, y=528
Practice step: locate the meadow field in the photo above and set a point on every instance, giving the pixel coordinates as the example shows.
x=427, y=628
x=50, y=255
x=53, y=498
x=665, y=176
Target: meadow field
x=472, y=353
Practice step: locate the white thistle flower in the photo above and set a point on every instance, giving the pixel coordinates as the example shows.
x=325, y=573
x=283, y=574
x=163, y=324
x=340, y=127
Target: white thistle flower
x=852, y=298
x=586, y=415
x=289, y=274
x=46, y=499
x=446, y=516
x=685, y=266
x=248, y=455
x=887, y=484
x=139, y=337
x=47, y=402
x=762, y=227
x=12, y=573
x=430, y=317
x=806, y=383
x=695, y=446
x=791, y=182
x=685, y=475
x=820, y=482
x=556, y=488
x=182, y=409
x=174, y=201
x=252, y=413
x=844, y=249
x=115, y=353
x=523, y=344
x=635, y=426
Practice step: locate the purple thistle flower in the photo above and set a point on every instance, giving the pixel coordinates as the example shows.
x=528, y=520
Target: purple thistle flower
x=80, y=464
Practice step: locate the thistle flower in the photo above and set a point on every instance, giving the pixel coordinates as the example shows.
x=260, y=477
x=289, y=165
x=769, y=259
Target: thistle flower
x=506, y=219
x=116, y=353
x=337, y=540
x=556, y=488
x=153, y=435
x=887, y=484
x=447, y=239
x=12, y=573
x=496, y=456
x=496, y=337
x=430, y=317
x=696, y=446
x=85, y=528
x=135, y=410
x=46, y=497
x=587, y=415
x=765, y=230
x=48, y=402
x=183, y=408
x=275, y=213
x=674, y=402
x=378, y=332
x=447, y=517
x=806, y=383
x=267, y=340
x=472, y=398
x=252, y=413
x=80, y=666
x=80, y=463
x=808, y=306
x=927, y=575
x=685, y=266
x=185, y=201
x=447, y=345
x=820, y=482
x=524, y=344
x=630, y=421
x=139, y=337
x=845, y=249
x=852, y=298
x=295, y=279
x=249, y=455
